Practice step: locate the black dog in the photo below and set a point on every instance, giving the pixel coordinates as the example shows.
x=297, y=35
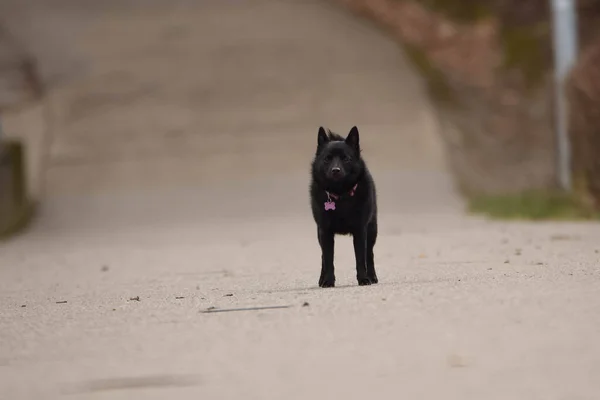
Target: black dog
x=343, y=201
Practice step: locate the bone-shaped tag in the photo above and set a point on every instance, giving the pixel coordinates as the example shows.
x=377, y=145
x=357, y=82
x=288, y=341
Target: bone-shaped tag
x=329, y=205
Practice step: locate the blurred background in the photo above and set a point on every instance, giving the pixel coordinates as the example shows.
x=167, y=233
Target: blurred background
x=161, y=148
x=103, y=101
x=141, y=112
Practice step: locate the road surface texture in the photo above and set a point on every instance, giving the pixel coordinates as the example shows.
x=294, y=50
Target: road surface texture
x=178, y=182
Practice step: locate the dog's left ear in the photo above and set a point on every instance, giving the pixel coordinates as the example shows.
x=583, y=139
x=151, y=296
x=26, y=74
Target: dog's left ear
x=352, y=139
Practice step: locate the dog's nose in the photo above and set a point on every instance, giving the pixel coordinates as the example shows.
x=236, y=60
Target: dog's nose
x=335, y=170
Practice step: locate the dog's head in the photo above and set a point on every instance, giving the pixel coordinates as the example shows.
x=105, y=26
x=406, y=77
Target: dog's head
x=337, y=160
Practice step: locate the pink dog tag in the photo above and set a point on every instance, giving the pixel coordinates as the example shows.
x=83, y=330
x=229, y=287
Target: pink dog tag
x=329, y=205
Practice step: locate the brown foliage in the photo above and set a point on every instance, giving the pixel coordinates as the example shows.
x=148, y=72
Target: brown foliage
x=494, y=57
x=584, y=98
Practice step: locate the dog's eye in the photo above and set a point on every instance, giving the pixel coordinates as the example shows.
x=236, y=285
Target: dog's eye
x=328, y=158
x=346, y=159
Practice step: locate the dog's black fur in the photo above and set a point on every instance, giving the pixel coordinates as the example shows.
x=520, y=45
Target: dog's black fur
x=336, y=169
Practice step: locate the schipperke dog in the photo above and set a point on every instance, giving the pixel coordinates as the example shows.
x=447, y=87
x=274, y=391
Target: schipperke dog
x=343, y=201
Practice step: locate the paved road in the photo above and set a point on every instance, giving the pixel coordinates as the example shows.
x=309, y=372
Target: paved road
x=178, y=177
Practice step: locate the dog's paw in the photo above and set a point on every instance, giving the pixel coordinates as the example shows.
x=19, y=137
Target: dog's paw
x=327, y=281
x=373, y=279
x=364, y=281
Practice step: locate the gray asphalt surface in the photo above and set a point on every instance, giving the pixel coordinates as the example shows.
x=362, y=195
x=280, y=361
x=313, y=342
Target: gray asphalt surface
x=178, y=182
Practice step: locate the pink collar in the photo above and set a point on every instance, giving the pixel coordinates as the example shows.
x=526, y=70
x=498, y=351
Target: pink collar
x=335, y=196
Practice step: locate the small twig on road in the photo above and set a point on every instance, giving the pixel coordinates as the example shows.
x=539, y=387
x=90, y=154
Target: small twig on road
x=136, y=298
x=61, y=302
x=214, y=310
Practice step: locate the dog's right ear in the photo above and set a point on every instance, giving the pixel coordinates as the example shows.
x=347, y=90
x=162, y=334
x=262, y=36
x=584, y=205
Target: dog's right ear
x=322, y=137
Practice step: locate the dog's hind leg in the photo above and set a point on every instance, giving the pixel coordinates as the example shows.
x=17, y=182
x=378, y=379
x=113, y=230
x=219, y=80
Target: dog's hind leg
x=371, y=239
x=327, y=242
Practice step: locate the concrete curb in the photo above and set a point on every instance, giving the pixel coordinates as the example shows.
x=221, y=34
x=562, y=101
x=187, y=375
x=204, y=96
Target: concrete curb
x=22, y=164
x=23, y=135
x=16, y=206
x=29, y=126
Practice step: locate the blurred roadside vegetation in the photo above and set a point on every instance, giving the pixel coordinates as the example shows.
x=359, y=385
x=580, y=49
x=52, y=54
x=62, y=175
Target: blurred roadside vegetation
x=488, y=67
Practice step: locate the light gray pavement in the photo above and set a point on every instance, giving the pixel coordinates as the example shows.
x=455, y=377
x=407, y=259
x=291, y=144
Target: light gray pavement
x=182, y=136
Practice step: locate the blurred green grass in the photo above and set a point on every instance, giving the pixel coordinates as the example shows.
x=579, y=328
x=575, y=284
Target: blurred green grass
x=533, y=206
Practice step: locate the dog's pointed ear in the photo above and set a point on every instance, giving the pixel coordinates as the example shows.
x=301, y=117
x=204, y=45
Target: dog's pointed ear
x=322, y=137
x=352, y=139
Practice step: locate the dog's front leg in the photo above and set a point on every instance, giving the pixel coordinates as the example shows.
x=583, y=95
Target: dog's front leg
x=360, y=253
x=326, y=240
